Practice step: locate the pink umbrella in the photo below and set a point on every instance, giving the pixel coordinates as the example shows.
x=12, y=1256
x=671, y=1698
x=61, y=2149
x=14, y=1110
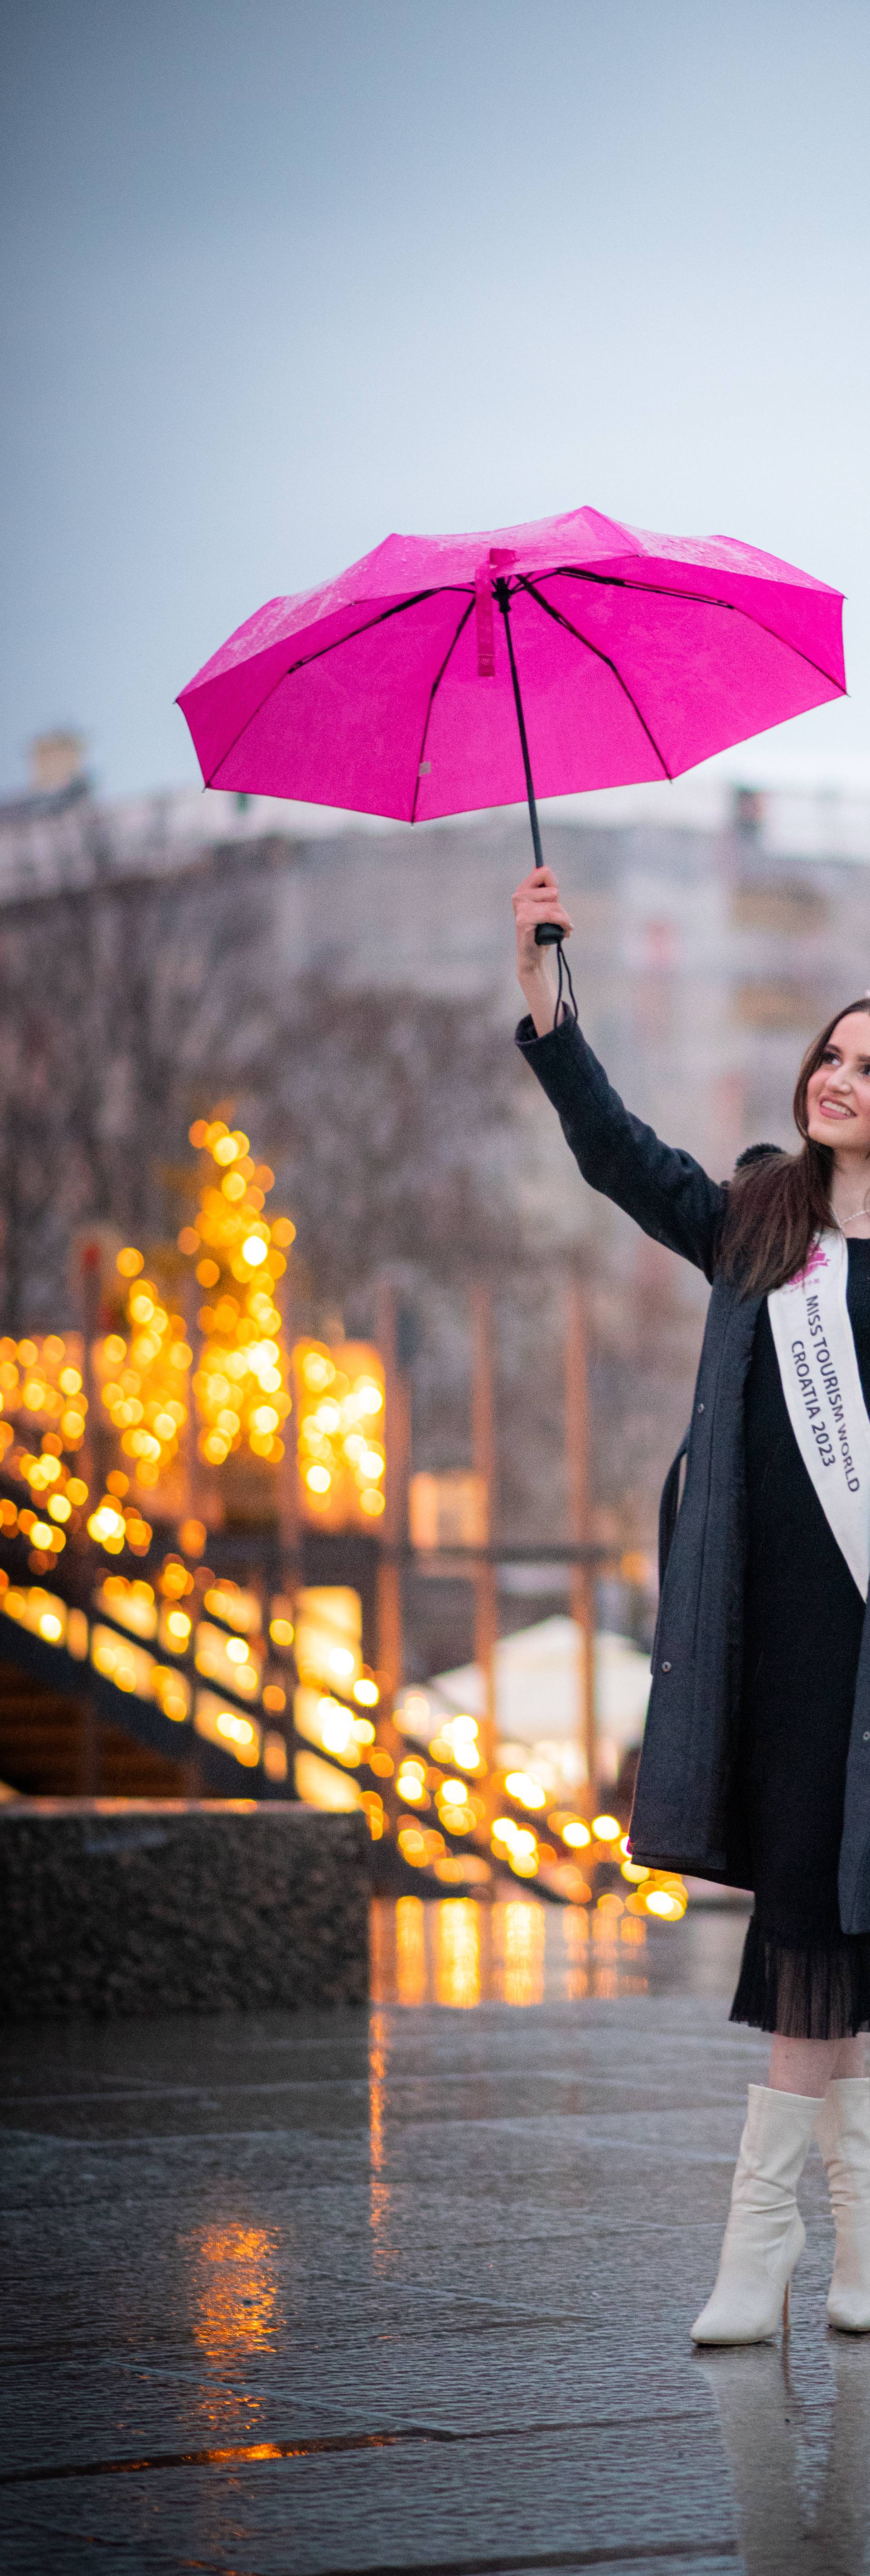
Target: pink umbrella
x=429, y=677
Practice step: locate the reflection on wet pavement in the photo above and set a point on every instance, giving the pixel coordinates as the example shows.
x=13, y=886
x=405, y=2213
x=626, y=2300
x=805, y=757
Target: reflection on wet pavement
x=796, y=2425
x=233, y=2288
x=462, y=1952
x=410, y=2289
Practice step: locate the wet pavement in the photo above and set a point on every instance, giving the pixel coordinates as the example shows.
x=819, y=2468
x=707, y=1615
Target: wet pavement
x=411, y=2289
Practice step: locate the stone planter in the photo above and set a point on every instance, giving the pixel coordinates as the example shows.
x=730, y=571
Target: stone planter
x=151, y=1906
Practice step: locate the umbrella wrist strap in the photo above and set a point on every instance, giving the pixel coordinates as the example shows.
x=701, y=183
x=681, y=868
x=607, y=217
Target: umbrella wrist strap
x=566, y=1001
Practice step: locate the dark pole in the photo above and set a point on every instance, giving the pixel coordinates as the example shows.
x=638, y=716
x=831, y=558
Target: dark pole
x=548, y=933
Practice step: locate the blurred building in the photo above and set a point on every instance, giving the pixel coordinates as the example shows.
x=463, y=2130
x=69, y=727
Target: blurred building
x=57, y=762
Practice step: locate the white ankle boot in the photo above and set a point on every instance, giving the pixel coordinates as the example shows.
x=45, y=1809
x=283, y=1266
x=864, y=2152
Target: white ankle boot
x=765, y=2233
x=843, y=2132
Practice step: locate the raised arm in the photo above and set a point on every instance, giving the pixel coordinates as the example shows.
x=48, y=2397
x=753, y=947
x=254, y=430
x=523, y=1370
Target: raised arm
x=665, y=1190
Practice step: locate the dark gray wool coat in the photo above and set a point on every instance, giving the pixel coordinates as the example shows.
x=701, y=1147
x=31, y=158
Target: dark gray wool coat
x=687, y=1808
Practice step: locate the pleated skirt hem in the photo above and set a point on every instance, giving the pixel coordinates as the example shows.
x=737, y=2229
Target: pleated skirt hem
x=816, y=1989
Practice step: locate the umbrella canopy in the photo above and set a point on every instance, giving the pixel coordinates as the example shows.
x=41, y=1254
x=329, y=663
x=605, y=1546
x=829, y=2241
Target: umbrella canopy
x=389, y=690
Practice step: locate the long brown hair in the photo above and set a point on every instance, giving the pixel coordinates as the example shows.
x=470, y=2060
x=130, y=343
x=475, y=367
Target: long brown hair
x=777, y=1202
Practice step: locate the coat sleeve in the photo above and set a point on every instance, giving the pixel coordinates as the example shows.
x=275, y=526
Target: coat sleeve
x=664, y=1189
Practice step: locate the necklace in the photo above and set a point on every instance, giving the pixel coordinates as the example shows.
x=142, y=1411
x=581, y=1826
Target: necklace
x=859, y=1215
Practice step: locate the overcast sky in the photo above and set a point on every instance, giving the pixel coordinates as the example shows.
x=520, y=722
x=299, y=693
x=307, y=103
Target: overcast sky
x=282, y=275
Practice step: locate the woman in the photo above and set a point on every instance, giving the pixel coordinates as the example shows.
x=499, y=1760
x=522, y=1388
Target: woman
x=756, y=1762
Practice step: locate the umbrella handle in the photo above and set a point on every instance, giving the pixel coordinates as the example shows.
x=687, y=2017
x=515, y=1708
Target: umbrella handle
x=548, y=934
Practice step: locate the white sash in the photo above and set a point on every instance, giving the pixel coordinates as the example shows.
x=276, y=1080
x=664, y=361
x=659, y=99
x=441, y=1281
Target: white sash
x=815, y=1348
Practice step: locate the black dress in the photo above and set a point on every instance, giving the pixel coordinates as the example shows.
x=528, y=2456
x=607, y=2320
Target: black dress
x=800, y=1973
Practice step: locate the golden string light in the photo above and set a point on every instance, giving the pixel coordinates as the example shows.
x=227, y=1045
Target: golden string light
x=42, y=1399
x=116, y=1524
x=340, y=1437
x=41, y=1383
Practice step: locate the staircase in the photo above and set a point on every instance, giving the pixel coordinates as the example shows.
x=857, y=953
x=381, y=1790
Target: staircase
x=53, y=1746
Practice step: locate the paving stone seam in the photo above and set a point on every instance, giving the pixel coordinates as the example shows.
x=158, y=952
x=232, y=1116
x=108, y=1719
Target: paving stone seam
x=255, y=2453
x=678, y=2553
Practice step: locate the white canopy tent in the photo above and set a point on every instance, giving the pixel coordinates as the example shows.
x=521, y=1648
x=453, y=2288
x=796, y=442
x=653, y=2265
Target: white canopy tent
x=536, y=1697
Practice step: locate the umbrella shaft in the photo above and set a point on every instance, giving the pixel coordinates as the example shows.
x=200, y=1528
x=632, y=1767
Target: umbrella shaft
x=548, y=933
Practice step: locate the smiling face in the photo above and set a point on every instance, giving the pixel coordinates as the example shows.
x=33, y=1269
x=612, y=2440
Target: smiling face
x=838, y=1093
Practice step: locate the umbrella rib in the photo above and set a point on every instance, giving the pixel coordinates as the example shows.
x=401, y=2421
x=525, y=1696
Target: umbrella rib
x=397, y=610
x=561, y=620
x=436, y=684
x=696, y=599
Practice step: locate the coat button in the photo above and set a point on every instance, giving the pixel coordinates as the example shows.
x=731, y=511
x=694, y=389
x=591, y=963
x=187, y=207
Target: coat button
x=666, y=1669
x=700, y=1408
x=866, y=1736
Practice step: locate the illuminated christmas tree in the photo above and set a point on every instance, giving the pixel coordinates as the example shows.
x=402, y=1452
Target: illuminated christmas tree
x=144, y=1377
x=240, y=1384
